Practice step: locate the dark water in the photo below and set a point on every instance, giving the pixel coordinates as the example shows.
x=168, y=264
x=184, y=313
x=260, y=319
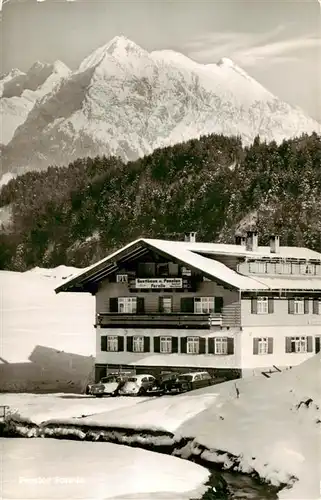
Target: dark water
x=243, y=487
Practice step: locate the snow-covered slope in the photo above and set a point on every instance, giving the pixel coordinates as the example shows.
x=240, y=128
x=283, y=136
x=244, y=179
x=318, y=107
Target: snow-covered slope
x=272, y=428
x=125, y=101
x=20, y=91
x=32, y=314
x=43, y=469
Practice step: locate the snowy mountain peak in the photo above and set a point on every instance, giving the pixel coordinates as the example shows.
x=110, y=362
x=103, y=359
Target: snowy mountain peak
x=122, y=44
x=125, y=101
x=11, y=74
x=60, y=68
x=37, y=66
x=119, y=48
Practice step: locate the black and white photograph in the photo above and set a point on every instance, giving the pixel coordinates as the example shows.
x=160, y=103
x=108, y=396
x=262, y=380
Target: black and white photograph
x=160, y=249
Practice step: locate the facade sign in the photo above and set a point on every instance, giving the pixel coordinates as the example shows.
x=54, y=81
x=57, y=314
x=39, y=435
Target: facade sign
x=159, y=283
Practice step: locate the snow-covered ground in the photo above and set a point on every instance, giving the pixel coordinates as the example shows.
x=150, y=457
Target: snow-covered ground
x=268, y=429
x=51, y=469
x=32, y=314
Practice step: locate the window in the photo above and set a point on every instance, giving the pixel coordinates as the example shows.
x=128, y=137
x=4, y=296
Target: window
x=112, y=343
x=263, y=345
x=204, y=305
x=127, y=304
x=138, y=344
x=257, y=267
x=262, y=305
x=220, y=345
x=298, y=344
x=192, y=345
x=287, y=268
x=307, y=268
x=165, y=304
x=122, y=278
x=166, y=345
x=298, y=306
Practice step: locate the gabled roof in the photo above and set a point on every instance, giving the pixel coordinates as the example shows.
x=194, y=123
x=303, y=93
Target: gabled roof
x=187, y=254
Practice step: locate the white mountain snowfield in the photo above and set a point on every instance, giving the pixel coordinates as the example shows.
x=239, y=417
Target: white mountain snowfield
x=38, y=469
x=19, y=93
x=266, y=427
x=125, y=101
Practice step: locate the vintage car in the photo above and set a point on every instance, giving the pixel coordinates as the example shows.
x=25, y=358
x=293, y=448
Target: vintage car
x=187, y=382
x=139, y=385
x=167, y=382
x=108, y=386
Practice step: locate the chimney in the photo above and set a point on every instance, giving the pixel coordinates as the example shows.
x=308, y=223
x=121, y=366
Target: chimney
x=190, y=237
x=240, y=240
x=251, y=241
x=274, y=243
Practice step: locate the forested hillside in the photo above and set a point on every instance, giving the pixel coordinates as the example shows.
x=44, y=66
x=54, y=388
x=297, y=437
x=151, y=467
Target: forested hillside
x=77, y=214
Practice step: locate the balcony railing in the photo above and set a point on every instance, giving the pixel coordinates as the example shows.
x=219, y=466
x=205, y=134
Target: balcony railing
x=161, y=320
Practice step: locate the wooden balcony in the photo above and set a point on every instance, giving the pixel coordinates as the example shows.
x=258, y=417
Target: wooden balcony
x=159, y=320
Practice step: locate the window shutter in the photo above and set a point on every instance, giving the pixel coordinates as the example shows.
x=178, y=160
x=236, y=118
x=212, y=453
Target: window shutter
x=306, y=306
x=310, y=344
x=271, y=305
x=290, y=309
x=160, y=304
x=174, y=344
x=187, y=304
x=254, y=305
x=230, y=346
x=156, y=344
x=317, y=344
x=140, y=305
x=218, y=304
x=113, y=305
x=288, y=346
x=211, y=343
x=202, y=346
x=315, y=306
x=120, y=343
x=256, y=346
x=270, y=345
x=172, y=269
x=103, y=343
x=146, y=344
x=184, y=345
x=130, y=344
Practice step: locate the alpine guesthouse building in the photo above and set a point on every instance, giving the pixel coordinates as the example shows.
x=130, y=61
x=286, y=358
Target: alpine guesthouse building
x=233, y=310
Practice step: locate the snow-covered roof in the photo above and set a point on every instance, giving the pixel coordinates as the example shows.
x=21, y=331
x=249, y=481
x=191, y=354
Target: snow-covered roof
x=240, y=251
x=189, y=253
x=289, y=283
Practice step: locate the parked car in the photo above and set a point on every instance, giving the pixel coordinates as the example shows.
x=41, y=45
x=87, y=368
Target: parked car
x=108, y=386
x=189, y=381
x=88, y=388
x=167, y=382
x=139, y=385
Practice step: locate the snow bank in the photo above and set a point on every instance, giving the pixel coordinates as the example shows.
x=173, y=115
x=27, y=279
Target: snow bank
x=272, y=429
x=38, y=469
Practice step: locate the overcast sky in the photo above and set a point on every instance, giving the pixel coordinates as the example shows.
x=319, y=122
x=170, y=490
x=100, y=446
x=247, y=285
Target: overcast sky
x=278, y=42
